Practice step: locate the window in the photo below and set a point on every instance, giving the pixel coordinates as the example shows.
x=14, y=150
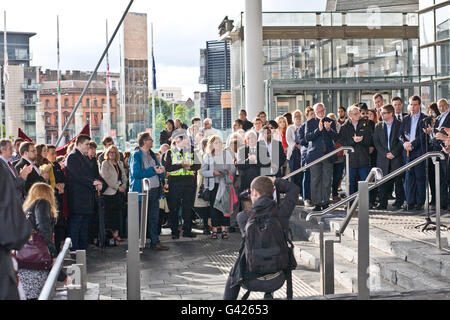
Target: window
x=88, y=103
x=95, y=102
x=103, y=102
x=47, y=103
x=66, y=102
x=95, y=118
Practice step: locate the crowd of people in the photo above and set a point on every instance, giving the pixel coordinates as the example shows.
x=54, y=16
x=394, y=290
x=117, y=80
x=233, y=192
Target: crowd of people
x=199, y=173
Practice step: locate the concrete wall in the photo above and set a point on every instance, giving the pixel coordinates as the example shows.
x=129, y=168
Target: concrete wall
x=14, y=113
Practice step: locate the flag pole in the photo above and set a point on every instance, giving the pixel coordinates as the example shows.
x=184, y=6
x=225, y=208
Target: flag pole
x=95, y=70
x=108, y=81
x=58, y=81
x=153, y=89
x=5, y=81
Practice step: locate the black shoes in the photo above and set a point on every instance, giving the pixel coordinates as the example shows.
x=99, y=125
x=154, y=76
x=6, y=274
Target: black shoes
x=419, y=207
x=317, y=208
x=381, y=207
x=176, y=237
x=409, y=207
x=189, y=235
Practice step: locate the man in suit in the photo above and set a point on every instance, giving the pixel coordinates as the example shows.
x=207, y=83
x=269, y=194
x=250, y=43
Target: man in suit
x=6, y=150
x=437, y=144
x=414, y=142
x=14, y=231
x=389, y=156
x=16, y=155
x=301, y=139
x=321, y=135
x=29, y=155
x=277, y=156
x=378, y=101
x=357, y=133
x=82, y=185
x=397, y=103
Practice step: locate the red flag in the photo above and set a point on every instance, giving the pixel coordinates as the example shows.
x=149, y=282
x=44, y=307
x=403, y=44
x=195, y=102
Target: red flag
x=61, y=151
x=22, y=135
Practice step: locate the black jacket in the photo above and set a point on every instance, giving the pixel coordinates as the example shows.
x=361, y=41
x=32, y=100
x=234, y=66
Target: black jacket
x=249, y=171
x=247, y=125
x=40, y=218
x=14, y=232
x=381, y=145
x=32, y=178
x=164, y=136
x=262, y=205
x=81, y=175
x=361, y=157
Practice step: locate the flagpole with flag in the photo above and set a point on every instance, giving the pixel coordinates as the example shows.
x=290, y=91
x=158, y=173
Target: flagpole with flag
x=153, y=89
x=58, y=81
x=5, y=81
x=108, y=88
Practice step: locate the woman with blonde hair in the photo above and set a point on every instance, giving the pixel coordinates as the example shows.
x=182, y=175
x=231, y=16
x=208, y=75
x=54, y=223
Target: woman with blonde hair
x=41, y=210
x=282, y=129
x=215, y=162
x=113, y=172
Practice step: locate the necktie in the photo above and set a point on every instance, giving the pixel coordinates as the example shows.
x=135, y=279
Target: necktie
x=12, y=169
x=398, y=117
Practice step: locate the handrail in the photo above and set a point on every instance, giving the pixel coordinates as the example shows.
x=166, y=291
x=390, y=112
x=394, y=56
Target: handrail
x=378, y=183
x=50, y=283
x=328, y=155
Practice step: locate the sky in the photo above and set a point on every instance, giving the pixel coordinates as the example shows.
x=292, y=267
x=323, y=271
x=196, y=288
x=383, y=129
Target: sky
x=180, y=29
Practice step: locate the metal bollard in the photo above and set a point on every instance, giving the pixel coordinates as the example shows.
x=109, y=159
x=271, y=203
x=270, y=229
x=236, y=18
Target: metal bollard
x=329, y=266
x=363, y=241
x=133, y=259
x=437, y=181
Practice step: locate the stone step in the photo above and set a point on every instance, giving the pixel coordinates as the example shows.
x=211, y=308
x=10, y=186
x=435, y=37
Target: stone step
x=386, y=266
x=421, y=254
x=307, y=255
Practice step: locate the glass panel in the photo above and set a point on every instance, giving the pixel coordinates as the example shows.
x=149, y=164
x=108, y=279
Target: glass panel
x=426, y=28
x=443, y=23
x=427, y=61
x=289, y=19
x=336, y=19
x=443, y=60
x=425, y=4
x=443, y=89
x=412, y=19
x=374, y=19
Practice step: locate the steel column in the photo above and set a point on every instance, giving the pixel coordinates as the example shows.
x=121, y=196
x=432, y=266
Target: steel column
x=363, y=241
x=133, y=259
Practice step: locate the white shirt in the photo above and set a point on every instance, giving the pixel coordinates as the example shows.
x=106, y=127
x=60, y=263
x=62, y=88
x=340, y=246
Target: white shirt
x=443, y=116
x=34, y=166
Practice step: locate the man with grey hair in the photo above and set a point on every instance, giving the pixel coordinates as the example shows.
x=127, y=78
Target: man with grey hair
x=208, y=130
x=321, y=135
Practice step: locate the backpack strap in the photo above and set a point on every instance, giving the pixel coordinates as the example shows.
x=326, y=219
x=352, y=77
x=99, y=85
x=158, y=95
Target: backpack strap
x=246, y=295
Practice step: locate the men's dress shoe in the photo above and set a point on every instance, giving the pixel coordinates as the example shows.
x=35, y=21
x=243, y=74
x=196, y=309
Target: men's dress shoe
x=381, y=207
x=397, y=205
x=317, y=208
x=189, y=235
x=160, y=247
x=337, y=198
x=325, y=206
x=409, y=207
x=373, y=205
x=419, y=207
x=175, y=237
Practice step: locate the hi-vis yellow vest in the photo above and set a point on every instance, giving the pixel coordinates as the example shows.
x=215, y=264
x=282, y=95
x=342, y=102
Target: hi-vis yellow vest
x=177, y=158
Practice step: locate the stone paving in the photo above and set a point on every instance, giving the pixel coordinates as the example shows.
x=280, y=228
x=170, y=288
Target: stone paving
x=196, y=269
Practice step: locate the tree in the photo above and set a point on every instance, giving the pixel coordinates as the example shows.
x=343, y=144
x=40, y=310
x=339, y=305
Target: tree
x=180, y=113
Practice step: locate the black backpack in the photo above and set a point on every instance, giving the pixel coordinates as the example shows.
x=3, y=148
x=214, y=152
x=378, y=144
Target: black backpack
x=268, y=248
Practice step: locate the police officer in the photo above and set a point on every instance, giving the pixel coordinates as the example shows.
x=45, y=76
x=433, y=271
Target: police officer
x=181, y=164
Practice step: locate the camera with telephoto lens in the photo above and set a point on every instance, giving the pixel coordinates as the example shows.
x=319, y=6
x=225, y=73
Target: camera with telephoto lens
x=245, y=195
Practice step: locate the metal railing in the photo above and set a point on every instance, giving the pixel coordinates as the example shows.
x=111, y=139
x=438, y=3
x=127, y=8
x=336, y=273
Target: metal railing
x=345, y=149
x=362, y=198
x=50, y=283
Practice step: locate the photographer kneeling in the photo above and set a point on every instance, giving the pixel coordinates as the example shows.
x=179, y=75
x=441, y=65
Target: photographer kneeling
x=266, y=257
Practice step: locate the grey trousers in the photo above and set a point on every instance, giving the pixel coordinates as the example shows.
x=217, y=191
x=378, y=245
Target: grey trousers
x=321, y=180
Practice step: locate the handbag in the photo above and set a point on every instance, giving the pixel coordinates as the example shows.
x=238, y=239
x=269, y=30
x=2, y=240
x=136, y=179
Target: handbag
x=204, y=193
x=34, y=255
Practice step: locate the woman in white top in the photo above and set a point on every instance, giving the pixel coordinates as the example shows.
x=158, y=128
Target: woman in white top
x=215, y=162
x=293, y=153
x=113, y=172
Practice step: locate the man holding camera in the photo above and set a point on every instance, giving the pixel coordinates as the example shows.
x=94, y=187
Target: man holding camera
x=263, y=204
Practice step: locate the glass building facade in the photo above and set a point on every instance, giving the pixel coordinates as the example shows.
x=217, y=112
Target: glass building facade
x=338, y=58
x=434, y=26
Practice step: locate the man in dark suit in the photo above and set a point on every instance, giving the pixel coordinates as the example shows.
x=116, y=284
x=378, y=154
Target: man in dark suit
x=437, y=143
x=321, y=135
x=397, y=103
x=82, y=187
x=6, y=150
x=389, y=156
x=14, y=232
x=29, y=155
x=277, y=157
x=414, y=142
